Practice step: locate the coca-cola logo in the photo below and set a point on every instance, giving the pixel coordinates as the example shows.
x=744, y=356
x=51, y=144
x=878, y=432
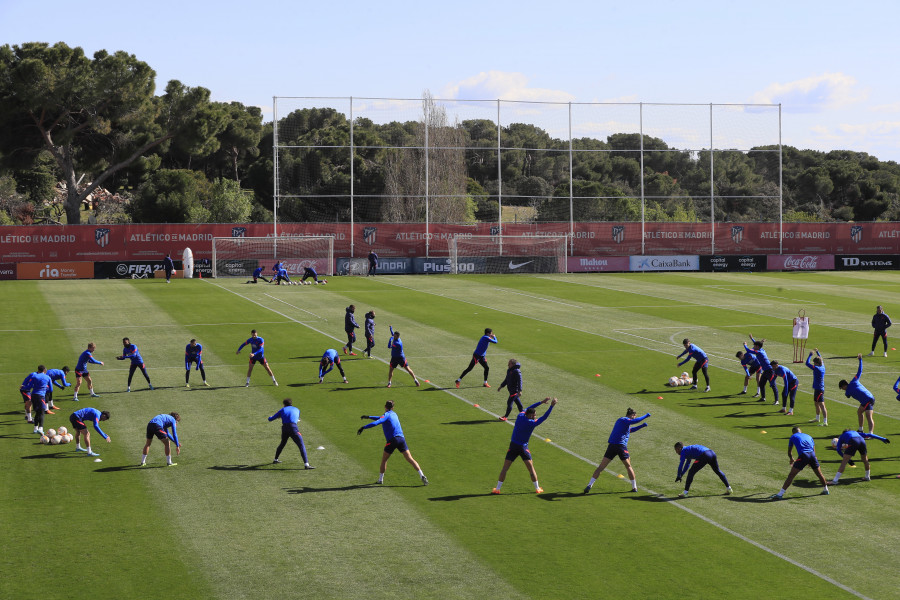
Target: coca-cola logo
x=801, y=262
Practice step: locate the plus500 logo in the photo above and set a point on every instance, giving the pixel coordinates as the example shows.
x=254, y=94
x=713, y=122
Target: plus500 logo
x=434, y=267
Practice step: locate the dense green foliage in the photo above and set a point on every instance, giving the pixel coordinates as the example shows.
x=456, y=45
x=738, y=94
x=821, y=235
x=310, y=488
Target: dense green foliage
x=96, y=122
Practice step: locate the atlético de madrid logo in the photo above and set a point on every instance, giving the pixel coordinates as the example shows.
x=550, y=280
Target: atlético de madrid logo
x=618, y=233
x=737, y=234
x=856, y=233
x=101, y=236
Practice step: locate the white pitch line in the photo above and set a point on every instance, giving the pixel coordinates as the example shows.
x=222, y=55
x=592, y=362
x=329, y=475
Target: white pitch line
x=576, y=455
x=298, y=308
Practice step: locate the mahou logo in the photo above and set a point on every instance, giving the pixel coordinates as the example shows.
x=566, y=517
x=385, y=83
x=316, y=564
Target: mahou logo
x=801, y=262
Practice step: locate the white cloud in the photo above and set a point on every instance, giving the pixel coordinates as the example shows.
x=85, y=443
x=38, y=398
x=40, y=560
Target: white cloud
x=812, y=94
x=501, y=85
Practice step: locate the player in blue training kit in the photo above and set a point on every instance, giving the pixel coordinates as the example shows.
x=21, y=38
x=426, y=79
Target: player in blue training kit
x=310, y=272
x=700, y=362
x=81, y=370
x=282, y=275
x=290, y=416
x=618, y=446
x=393, y=434
x=193, y=354
x=330, y=360
x=806, y=455
x=369, y=328
x=848, y=444
x=79, y=419
x=751, y=368
x=257, y=274
x=513, y=383
x=702, y=456
x=478, y=356
x=158, y=427
x=25, y=390
x=398, y=359
x=350, y=325
x=880, y=323
x=818, y=369
x=130, y=351
x=257, y=355
x=856, y=390
x=169, y=267
x=789, y=390
x=40, y=385
x=518, y=444
x=373, y=264
x=57, y=378
x=765, y=376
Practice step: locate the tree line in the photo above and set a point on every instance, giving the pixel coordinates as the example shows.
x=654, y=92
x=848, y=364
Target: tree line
x=72, y=125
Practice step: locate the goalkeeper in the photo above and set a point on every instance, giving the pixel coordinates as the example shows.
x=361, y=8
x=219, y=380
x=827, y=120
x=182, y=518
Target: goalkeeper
x=257, y=274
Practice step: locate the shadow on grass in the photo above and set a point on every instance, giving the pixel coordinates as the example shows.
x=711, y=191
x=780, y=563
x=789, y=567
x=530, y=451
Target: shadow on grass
x=475, y=422
x=243, y=467
x=742, y=415
x=552, y=496
x=751, y=498
x=129, y=468
x=467, y=496
x=67, y=454
x=316, y=358
x=343, y=488
x=343, y=387
x=21, y=436
x=14, y=412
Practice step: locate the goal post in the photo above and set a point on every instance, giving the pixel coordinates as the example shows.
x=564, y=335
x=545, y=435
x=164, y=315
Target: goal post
x=508, y=254
x=239, y=256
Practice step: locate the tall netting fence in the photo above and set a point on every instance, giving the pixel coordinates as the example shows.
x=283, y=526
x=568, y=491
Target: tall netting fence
x=496, y=166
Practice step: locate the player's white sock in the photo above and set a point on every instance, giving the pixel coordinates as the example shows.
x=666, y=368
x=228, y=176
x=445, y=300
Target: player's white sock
x=633, y=483
x=78, y=446
x=89, y=450
x=421, y=474
x=868, y=473
x=745, y=388
x=536, y=485
x=28, y=415
x=380, y=477
x=248, y=381
x=169, y=459
x=591, y=482
x=143, y=459
x=499, y=484
x=781, y=492
x=837, y=476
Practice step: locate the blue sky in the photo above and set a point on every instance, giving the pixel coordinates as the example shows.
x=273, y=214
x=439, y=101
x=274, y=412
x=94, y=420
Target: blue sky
x=832, y=65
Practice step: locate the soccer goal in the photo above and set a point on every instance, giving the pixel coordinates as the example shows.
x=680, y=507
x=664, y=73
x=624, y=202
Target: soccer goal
x=508, y=254
x=239, y=256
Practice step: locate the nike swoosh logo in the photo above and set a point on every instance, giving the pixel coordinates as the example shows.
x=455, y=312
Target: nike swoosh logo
x=513, y=266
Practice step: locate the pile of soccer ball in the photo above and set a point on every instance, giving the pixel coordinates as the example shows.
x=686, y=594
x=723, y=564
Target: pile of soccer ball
x=684, y=379
x=54, y=436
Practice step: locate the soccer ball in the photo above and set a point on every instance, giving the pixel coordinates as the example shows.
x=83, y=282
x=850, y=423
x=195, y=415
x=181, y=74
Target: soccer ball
x=687, y=381
x=307, y=283
x=55, y=440
x=674, y=381
x=70, y=436
x=62, y=431
x=685, y=375
x=63, y=439
x=324, y=281
x=45, y=439
x=834, y=442
x=51, y=432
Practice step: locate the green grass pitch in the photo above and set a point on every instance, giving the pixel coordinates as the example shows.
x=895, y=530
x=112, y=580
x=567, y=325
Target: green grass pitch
x=227, y=523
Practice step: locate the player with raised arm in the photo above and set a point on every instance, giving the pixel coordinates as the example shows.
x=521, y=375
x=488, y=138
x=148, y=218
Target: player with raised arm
x=849, y=444
x=193, y=354
x=513, y=383
x=369, y=328
x=765, y=376
x=478, y=356
x=789, y=389
x=290, y=417
x=856, y=390
x=518, y=444
x=393, y=434
x=751, y=369
x=618, y=446
x=330, y=360
x=81, y=370
x=818, y=369
x=350, y=325
x=40, y=385
x=880, y=323
x=398, y=358
x=130, y=351
x=78, y=420
x=257, y=274
x=257, y=355
x=702, y=456
x=700, y=362
x=806, y=455
x=158, y=427
x=57, y=378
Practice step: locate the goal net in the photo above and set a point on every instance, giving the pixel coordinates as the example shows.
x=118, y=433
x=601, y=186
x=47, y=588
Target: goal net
x=508, y=254
x=239, y=256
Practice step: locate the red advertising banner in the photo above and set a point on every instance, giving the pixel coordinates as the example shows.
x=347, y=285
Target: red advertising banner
x=55, y=270
x=800, y=262
x=151, y=242
x=596, y=264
